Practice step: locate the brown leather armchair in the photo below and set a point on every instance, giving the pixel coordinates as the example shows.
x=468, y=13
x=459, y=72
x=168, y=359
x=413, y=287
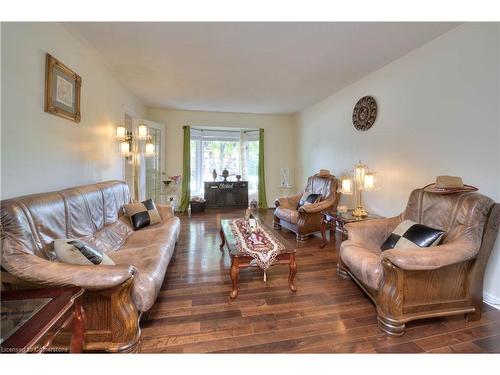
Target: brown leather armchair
x=413, y=283
x=306, y=220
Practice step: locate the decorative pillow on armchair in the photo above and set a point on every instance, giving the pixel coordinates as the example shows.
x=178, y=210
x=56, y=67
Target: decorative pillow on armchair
x=410, y=234
x=142, y=214
x=308, y=199
x=78, y=252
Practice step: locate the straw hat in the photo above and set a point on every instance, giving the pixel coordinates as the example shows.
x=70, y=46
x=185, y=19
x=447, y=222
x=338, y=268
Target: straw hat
x=448, y=185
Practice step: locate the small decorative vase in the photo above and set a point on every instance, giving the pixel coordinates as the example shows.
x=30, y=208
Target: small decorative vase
x=238, y=177
x=225, y=174
x=214, y=174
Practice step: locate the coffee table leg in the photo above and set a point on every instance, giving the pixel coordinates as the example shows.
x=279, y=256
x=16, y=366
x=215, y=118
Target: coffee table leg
x=293, y=271
x=323, y=234
x=222, y=240
x=77, y=337
x=235, y=271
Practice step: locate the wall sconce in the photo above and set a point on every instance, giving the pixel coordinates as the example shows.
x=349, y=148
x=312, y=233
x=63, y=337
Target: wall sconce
x=130, y=146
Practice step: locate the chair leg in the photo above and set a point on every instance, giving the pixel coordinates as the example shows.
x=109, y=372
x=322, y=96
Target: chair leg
x=341, y=272
x=476, y=315
x=276, y=223
x=302, y=237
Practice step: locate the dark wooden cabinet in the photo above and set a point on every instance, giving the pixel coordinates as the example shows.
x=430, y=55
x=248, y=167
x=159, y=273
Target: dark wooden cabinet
x=226, y=194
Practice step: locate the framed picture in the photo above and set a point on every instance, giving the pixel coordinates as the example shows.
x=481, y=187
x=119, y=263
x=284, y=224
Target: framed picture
x=62, y=90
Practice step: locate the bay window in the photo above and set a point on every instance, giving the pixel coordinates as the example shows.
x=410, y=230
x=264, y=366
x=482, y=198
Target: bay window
x=234, y=150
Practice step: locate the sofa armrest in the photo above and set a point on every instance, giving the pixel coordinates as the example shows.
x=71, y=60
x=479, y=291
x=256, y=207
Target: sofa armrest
x=316, y=207
x=36, y=270
x=433, y=257
x=289, y=202
x=372, y=232
x=166, y=212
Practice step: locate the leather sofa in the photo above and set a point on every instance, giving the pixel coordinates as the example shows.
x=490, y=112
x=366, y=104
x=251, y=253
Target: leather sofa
x=412, y=283
x=307, y=219
x=115, y=295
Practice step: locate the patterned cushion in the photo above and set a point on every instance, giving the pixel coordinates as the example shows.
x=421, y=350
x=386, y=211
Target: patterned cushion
x=142, y=214
x=409, y=234
x=78, y=252
x=308, y=199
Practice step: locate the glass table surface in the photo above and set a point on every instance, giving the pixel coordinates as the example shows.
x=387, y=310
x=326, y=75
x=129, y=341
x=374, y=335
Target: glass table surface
x=14, y=314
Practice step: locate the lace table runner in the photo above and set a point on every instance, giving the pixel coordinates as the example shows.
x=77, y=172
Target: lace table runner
x=260, y=245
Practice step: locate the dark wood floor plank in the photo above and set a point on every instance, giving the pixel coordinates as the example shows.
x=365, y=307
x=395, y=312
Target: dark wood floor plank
x=194, y=314
x=489, y=344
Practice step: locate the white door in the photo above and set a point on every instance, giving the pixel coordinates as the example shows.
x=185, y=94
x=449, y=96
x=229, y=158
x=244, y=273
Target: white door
x=152, y=167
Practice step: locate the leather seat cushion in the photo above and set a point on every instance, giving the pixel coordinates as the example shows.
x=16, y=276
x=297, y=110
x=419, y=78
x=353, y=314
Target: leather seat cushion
x=149, y=250
x=364, y=263
x=290, y=216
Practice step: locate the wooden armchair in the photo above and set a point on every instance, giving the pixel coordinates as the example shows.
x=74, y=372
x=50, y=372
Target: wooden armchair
x=410, y=284
x=306, y=220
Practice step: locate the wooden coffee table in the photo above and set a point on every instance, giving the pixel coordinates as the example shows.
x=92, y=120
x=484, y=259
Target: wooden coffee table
x=242, y=260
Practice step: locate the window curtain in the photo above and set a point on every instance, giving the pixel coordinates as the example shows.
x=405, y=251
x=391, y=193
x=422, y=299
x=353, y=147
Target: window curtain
x=262, y=183
x=186, y=170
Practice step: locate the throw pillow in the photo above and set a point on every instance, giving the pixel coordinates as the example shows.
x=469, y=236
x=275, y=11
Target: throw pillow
x=410, y=234
x=142, y=214
x=308, y=199
x=78, y=252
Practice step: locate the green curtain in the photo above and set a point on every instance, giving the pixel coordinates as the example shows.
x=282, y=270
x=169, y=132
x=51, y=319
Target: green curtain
x=186, y=170
x=262, y=179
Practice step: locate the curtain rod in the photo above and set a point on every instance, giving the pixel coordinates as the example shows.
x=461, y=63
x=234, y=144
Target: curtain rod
x=223, y=130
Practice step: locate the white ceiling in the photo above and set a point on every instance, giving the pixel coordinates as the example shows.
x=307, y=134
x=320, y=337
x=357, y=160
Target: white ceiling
x=248, y=67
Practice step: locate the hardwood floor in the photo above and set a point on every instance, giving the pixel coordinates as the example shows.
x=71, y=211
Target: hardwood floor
x=193, y=313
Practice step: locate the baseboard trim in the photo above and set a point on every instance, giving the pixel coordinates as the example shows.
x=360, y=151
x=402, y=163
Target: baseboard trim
x=491, y=300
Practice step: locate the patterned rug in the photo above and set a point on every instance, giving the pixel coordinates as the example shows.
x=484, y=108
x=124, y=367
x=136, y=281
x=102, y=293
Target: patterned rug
x=260, y=245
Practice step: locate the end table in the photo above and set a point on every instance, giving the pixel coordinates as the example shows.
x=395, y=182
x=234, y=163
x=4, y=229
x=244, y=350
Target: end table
x=32, y=318
x=334, y=220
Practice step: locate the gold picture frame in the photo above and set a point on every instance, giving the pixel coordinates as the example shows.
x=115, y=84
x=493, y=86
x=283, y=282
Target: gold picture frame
x=62, y=90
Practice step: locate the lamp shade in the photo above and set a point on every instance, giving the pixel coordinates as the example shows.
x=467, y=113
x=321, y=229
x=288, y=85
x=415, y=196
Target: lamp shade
x=142, y=131
x=369, y=182
x=346, y=186
x=121, y=132
x=359, y=172
x=150, y=149
x=124, y=148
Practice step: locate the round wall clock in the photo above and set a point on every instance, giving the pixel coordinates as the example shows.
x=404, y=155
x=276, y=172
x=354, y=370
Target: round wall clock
x=365, y=113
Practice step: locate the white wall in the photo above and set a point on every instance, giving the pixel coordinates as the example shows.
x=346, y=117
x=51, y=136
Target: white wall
x=278, y=139
x=40, y=151
x=438, y=114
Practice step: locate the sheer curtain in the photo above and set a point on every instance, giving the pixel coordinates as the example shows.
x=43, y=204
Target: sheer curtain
x=250, y=161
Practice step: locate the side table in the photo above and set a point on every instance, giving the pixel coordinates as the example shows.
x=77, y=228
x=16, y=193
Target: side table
x=32, y=318
x=334, y=220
